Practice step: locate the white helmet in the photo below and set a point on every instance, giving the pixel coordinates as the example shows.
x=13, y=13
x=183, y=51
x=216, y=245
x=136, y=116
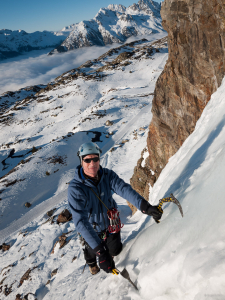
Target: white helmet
x=89, y=148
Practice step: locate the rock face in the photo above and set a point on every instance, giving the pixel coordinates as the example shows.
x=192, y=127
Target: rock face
x=194, y=70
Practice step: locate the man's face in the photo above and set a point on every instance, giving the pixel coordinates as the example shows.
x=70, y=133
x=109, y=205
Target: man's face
x=91, y=169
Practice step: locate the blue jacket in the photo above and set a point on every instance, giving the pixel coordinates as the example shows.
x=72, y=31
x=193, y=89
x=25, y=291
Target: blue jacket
x=86, y=208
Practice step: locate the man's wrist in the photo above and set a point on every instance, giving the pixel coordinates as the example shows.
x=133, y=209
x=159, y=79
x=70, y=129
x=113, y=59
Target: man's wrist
x=145, y=205
x=100, y=249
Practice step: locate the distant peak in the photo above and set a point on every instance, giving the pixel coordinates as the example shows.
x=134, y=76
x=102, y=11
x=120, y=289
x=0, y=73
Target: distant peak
x=150, y=3
x=117, y=7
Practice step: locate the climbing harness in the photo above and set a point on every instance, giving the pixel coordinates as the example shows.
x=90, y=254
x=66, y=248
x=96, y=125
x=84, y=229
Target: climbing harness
x=169, y=199
x=114, y=217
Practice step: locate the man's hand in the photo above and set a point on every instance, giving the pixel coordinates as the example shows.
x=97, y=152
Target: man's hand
x=150, y=210
x=106, y=262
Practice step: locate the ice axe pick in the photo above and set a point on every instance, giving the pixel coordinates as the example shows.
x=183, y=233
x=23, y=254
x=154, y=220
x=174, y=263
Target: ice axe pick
x=169, y=199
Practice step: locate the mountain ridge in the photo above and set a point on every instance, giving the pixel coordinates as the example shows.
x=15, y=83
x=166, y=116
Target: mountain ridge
x=16, y=42
x=114, y=24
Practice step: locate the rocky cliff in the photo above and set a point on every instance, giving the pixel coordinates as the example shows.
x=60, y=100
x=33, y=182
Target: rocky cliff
x=194, y=70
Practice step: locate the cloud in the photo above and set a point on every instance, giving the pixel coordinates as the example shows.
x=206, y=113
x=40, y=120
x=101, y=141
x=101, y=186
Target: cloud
x=37, y=67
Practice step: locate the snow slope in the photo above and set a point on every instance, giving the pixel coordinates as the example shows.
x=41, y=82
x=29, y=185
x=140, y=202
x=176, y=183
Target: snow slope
x=180, y=258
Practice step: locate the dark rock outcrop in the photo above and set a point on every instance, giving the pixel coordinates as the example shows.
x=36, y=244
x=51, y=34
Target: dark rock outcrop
x=4, y=247
x=194, y=70
x=64, y=216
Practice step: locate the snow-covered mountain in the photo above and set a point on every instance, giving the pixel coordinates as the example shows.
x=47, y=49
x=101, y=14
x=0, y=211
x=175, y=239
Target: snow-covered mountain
x=41, y=128
x=114, y=24
x=14, y=43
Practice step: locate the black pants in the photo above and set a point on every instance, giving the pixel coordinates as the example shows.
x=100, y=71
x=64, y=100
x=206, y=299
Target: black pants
x=113, y=243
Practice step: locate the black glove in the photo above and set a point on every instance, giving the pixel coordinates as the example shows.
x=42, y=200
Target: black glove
x=150, y=210
x=106, y=262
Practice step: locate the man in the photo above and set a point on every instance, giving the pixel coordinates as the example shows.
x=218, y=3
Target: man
x=90, y=198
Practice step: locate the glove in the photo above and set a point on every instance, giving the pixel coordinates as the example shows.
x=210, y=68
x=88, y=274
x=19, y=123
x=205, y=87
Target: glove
x=106, y=262
x=151, y=210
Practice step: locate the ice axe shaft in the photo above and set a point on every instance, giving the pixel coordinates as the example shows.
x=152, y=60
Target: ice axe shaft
x=125, y=274
x=169, y=199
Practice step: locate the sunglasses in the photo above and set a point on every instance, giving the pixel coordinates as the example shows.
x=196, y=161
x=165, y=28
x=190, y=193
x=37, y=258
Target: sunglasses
x=88, y=160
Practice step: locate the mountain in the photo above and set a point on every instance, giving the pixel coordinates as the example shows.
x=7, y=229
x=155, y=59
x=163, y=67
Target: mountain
x=180, y=258
x=111, y=25
x=41, y=128
x=14, y=43
x=75, y=106
x=114, y=24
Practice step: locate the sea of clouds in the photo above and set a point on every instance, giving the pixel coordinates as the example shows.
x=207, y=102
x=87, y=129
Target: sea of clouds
x=36, y=67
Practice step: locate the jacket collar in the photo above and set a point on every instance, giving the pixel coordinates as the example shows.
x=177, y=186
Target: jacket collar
x=85, y=180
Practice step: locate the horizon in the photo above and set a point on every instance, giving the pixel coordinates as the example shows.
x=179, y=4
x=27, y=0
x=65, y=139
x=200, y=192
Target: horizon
x=27, y=16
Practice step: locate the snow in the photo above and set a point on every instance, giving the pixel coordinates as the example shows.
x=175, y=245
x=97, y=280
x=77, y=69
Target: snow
x=180, y=258
x=114, y=24
x=20, y=41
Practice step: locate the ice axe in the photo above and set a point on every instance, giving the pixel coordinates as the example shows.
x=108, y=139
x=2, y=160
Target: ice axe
x=169, y=199
x=125, y=274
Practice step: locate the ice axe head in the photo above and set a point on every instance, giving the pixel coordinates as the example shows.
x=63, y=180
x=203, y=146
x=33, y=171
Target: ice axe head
x=169, y=199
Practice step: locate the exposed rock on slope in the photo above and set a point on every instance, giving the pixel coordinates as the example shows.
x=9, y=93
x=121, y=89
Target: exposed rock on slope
x=194, y=70
x=114, y=24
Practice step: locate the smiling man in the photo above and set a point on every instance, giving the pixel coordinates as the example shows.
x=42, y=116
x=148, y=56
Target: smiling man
x=94, y=210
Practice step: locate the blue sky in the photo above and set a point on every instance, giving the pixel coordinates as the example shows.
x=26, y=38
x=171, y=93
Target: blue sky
x=39, y=15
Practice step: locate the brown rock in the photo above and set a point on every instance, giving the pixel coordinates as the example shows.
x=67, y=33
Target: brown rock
x=29, y=296
x=75, y=257
x=109, y=123
x=18, y=297
x=26, y=275
x=194, y=70
x=61, y=241
x=48, y=282
x=54, y=272
x=7, y=290
x=64, y=216
x=4, y=247
x=50, y=212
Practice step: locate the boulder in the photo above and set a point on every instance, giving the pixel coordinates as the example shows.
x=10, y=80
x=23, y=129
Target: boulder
x=64, y=216
x=4, y=247
x=109, y=123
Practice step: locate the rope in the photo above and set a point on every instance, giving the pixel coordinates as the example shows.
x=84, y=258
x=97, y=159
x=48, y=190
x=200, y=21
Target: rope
x=99, y=199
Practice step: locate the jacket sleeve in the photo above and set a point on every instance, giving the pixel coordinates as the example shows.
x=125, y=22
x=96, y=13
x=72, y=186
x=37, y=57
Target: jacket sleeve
x=78, y=205
x=124, y=190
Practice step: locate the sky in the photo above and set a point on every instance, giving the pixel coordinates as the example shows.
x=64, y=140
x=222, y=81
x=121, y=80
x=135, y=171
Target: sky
x=51, y=15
